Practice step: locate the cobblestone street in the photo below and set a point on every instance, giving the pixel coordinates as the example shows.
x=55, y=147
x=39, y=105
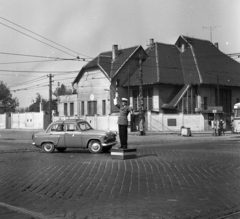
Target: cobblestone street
x=178, y=179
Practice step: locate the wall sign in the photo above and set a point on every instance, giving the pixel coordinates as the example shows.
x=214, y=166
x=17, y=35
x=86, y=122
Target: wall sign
x=172, y=122
x=91, y=96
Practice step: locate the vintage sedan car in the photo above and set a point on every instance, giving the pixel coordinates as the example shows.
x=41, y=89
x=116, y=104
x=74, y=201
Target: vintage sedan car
x=74, y=133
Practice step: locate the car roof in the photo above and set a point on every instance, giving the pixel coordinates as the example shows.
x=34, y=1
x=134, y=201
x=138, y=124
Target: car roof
x=70, y=120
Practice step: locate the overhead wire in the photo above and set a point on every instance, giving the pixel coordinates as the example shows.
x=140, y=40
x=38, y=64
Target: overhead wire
x=30, y=81
x=43, y=37
x=37, y=39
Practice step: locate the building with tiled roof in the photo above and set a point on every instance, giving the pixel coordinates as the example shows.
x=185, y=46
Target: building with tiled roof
x=97, y=80
x=190, y=77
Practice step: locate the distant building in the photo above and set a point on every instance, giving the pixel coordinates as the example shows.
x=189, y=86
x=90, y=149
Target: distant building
x=67, y=105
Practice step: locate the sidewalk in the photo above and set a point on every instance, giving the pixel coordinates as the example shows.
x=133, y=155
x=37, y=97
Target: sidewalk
x=25, y=136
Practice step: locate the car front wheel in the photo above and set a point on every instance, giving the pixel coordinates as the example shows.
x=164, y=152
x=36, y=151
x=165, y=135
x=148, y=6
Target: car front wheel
x=48, y=147
x=95, y=146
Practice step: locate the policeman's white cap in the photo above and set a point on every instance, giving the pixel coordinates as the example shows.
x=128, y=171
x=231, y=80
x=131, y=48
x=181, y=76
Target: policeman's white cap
x=125, y=99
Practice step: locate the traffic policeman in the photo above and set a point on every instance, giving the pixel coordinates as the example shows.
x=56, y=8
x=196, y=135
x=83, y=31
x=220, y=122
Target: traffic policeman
x=124, y=110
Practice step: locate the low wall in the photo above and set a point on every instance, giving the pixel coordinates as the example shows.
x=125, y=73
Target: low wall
x=173, y=122
x=3, y=121
x=97, y=122
x=153, y=122
x=30, y=120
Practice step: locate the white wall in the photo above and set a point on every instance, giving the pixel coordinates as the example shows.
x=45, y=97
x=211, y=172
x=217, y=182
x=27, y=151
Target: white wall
x=67, y=99
x=3, y=121
x=94, y=86
x=153, y=122
x=159, y=122
x=30, y=120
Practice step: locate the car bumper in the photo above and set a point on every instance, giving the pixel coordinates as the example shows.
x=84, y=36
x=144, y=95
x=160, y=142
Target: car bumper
x=109, y=144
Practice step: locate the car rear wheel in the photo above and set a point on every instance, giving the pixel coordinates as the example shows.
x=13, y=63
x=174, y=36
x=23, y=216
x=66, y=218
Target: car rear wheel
x=61, y=149
x=48, y=147
x=95, y=146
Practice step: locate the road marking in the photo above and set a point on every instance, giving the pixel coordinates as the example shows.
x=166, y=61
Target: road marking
x=22, y=210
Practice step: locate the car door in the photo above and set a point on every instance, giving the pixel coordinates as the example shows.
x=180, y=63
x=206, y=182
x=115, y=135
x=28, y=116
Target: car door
x=56, y=135
x=72, y=136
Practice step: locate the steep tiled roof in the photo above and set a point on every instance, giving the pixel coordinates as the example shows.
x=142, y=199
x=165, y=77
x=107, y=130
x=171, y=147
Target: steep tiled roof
x=123, y=56
x=105, y=63
x=161, y=66
x=169, y=65
x=206, y=64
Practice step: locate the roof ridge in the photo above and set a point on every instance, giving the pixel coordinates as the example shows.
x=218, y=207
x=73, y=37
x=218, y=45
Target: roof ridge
x=121, y=49
x=167, y=44
x=185, y=38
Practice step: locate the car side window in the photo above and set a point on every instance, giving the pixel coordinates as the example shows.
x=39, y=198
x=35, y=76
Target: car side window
x=82, y=126
x=70, y=128
x=56, y=128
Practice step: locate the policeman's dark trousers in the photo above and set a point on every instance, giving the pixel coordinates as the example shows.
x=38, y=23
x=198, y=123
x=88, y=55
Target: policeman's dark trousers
x=123, y=135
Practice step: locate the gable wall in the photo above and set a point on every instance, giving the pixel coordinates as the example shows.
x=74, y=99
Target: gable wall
x=95, y=84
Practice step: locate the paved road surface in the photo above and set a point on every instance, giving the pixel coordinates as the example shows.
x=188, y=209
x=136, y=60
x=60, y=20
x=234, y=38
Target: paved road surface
x=172, y=177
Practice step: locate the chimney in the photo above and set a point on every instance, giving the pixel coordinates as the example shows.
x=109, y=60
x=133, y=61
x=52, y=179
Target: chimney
x=216, y=45
x=114, y=52
x=151, y=42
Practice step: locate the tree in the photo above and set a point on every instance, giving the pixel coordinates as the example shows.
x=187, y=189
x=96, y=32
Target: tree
x=8, y=102
x=35, y=106
x=62, y=90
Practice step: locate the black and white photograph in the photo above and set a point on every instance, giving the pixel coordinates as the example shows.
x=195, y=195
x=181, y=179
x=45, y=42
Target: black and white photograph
x=119, y=109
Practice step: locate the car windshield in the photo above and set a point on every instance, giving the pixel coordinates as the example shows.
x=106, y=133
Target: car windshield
x=84, y=126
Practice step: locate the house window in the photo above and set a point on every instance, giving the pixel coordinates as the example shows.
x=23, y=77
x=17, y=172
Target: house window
x=205, y=103
x=104, y=107
x=147, y=99
x=65, y=109
x=82, y=108
x=92, y=108
x=135, y=99
x=71, y=109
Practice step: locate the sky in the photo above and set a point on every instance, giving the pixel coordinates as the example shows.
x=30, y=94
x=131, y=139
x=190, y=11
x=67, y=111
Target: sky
x=43, y=37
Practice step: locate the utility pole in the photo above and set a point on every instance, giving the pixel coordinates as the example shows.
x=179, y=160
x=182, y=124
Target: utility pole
x=211, y=29
x=218, y=96
x=50, y=97
x=141, y=106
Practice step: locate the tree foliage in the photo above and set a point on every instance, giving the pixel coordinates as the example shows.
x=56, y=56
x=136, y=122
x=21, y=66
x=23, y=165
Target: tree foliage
x=8, y=102
x=62, y=90
x=35, y=106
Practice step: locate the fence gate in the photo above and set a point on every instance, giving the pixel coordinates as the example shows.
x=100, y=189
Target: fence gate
x=8, y=120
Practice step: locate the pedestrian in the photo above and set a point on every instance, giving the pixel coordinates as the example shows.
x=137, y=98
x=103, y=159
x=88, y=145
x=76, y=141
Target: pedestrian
x=221, y=127
x=218, y=128
x=232, y=126
x=214, y=127
x=123, y=122
x=224, y=127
